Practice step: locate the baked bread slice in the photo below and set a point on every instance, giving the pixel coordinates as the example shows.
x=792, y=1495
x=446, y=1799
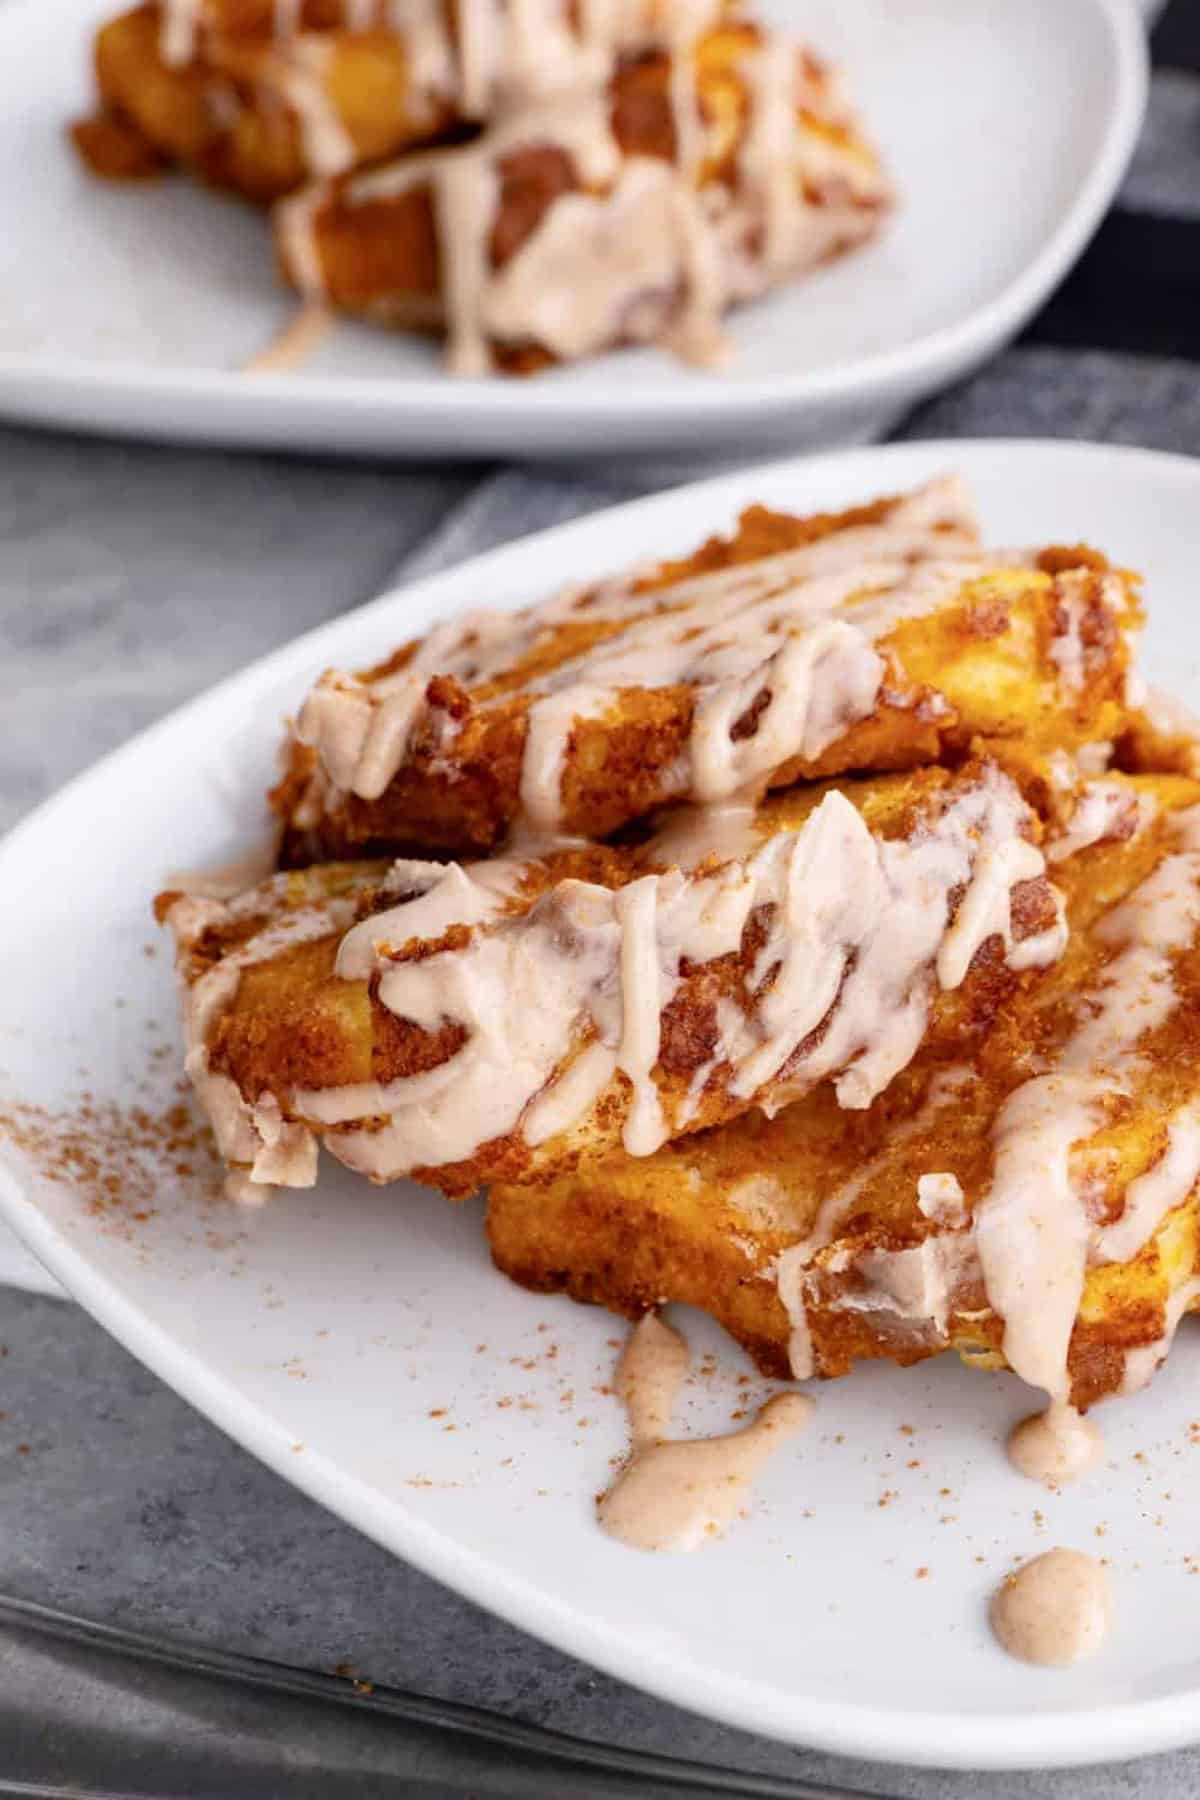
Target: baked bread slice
x=799, y=648
x=261, y=96
x=1031, y=1199
x=518, y=1018
x=633, y=208
x=257, y=115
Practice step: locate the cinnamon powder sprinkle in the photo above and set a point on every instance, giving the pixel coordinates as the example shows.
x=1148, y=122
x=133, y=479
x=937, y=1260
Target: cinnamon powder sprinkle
x=117, y=1158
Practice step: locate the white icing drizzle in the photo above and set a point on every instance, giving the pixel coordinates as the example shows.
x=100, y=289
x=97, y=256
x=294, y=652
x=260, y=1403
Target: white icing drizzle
x=286, y=17
x=1032, y=1228
x=572, y=1095
x=294, y=225
x=253, y=1135
x=1073, y=588
x=691, y=835
x=819, y=681
x=178, y=32
x=1141, y=1363
x=986, y=912
x=686, y=21
x=601, y=266
x=1105, y=810
x=501, y=51
x=435, y=897
x=299, y=338
x=1055, y=1446
x=1056, y=1611
x=794, y=634
x=650, y=1373
x=768, y=159
x=465, y=200
x=916, y=1284
x=547, y=743
x=1094, y=759
x=1062, y=772
x=854, y=925
x=429, y=48
x=680, y=1495
x=1150, y=1197
x=940, y=1198
x=298, y=70
x=479, y=32
x=636, y=909
x=647, y=251
x=511, y=52
x=793, y=1266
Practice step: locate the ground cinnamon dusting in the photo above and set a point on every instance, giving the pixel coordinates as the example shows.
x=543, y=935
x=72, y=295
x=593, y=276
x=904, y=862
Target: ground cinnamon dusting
x=116, y=1157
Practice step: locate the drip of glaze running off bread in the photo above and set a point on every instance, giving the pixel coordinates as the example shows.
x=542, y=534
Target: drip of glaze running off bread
x=678, y=1494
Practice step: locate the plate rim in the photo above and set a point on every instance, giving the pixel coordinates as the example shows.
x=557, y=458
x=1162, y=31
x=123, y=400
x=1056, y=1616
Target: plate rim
x=63, y=391
x=1010, y=1740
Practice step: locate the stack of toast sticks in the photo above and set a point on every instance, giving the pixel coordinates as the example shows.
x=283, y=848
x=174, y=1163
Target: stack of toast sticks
x=806, y=929
x=535, y=180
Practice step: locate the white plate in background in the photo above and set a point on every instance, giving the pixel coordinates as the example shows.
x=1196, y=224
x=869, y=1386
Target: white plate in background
x=338, y=1334
x=1007, y=128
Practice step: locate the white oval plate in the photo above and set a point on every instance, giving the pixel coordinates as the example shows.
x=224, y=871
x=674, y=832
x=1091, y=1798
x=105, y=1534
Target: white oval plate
x=1007, y=128
x=345, y=1321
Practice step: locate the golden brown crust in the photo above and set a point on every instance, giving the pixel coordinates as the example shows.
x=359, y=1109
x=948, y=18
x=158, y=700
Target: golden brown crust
x=379, y=256
x=294, y=1025
x=224, y=19
x=1162, y=738
x=587, y=1242
x=982, y=666
x=468, y=803
x=704, y=1221
x=225, y=116
x=116, y=149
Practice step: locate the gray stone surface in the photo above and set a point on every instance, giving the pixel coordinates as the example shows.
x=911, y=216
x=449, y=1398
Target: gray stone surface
x=130, y=578
x=133, y=576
